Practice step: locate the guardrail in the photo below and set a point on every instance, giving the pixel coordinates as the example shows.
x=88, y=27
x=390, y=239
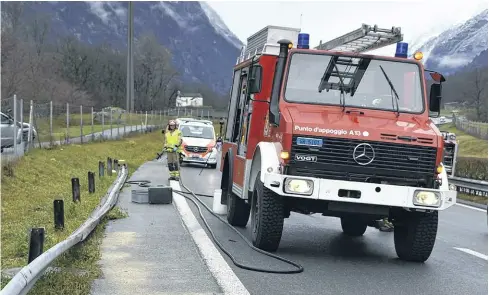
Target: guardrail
x=25, y=279
x=469, y=186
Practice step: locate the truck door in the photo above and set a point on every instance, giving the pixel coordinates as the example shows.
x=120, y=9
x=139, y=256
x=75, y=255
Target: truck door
x=239, y=159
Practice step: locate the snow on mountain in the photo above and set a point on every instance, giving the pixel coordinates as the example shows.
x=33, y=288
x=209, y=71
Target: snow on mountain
x=457, y=46
x=219, y=25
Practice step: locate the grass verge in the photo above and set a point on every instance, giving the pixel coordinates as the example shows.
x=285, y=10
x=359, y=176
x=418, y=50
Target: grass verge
x=59, y=124
x=475, y=199
x=469, y=146
x=44, y=175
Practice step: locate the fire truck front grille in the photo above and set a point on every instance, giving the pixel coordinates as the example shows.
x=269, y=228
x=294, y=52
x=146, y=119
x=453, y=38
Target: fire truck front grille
x=392, y=163
x=196, y=149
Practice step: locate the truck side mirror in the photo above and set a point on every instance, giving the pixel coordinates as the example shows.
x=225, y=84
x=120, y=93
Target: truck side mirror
x=435, y=98
x=254, y=85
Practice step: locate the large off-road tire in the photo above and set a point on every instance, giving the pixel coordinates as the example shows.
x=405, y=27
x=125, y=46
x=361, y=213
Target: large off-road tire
x=267, y=217
x=353, y=227
x=238, y=210
x=415, y=235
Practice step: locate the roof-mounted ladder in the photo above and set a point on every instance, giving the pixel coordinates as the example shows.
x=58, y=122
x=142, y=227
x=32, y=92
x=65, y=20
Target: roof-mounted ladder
x=364, y=39
x=346, y=70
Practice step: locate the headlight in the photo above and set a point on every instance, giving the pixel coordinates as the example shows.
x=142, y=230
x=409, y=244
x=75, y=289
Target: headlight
x=452, y=187
x=427, y=198
x=298, y=186
x=453, y=137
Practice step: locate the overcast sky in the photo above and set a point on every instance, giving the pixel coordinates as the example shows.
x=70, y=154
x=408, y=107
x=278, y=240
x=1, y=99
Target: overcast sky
x=326, y=20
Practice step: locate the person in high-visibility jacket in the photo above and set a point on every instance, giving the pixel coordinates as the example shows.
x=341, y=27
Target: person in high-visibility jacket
x=173, y=142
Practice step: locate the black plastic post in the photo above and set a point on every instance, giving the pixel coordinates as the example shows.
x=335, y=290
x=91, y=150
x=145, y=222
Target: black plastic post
x=109, y=166
x=59, y=214
x=101, y=169
x=75, y=189
x=91, y=182
x=109, y=163
x=36, y=243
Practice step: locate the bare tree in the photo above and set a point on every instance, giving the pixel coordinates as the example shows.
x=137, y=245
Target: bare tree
x=36, y=35
x=154, y=72
x=71, y=71
x=477, y=93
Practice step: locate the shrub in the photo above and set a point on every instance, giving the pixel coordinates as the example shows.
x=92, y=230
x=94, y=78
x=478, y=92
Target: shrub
x=471, y=167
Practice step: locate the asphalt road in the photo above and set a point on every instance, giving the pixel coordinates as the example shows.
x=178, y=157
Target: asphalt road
x=150, y=251
x=335, y=264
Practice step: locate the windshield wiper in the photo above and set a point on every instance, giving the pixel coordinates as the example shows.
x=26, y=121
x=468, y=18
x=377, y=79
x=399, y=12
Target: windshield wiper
x=393, y=89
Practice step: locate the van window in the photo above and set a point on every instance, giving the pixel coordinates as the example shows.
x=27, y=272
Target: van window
x=197, y=131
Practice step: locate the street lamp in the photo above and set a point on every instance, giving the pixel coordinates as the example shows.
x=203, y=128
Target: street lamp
x=130, y=59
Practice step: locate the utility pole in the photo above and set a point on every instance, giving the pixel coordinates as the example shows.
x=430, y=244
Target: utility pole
x=130, y=59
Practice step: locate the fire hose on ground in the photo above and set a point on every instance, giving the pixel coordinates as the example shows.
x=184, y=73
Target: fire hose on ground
x=193, y=197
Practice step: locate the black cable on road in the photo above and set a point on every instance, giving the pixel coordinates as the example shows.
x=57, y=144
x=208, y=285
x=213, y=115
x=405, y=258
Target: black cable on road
x=299, y=268
x=240, y=265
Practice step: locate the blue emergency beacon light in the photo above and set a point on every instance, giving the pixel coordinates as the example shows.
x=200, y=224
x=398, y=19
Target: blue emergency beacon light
x=303, y=41
x=401, y=50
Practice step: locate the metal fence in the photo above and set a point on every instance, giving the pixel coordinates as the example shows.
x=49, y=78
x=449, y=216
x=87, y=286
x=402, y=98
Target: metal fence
x=476, y=129
x=46, y=124
x=202, y=112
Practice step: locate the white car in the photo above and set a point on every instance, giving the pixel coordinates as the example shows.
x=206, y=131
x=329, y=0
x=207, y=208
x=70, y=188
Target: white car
x=199, y=143
x=8, y=130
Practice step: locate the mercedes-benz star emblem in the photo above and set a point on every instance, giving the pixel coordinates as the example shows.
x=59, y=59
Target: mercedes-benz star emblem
x=363, y=154
x=196, y=149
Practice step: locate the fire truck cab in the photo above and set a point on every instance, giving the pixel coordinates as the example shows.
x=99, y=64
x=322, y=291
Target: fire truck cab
x=333, y=131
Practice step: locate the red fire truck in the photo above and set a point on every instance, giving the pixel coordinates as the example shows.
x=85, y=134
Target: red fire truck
x=333, y=131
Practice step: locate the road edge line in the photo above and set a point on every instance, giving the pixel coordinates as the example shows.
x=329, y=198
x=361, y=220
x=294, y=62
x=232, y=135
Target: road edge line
x=472, y=252
x=217, y=265
x=470, y=206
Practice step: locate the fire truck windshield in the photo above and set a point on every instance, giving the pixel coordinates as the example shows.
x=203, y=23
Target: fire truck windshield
x=320, y=79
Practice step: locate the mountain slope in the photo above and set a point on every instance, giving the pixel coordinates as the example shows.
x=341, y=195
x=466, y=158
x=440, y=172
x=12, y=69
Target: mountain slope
x=204, y=50
x=457, y=47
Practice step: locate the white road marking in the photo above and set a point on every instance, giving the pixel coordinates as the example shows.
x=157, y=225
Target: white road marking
x=471, y=207
x=472, y=252
x=222, y=272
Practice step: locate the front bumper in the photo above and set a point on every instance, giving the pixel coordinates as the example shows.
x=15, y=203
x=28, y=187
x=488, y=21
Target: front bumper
x=210, y=158
x=370, y=193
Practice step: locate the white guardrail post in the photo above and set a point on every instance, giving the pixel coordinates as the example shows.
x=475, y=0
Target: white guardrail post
x=25, y=279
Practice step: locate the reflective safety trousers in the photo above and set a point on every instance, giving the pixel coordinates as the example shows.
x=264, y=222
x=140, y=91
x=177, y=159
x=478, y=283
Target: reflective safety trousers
x=172, y=138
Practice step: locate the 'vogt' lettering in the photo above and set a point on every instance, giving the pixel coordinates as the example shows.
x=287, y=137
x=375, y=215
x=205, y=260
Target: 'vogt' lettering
x=306, y=158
